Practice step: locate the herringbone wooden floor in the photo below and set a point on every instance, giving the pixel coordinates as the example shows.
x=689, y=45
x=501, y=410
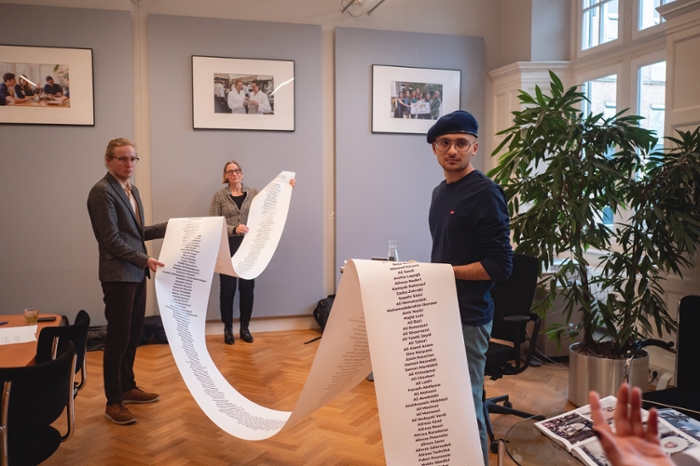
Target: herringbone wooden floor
x=271, y=372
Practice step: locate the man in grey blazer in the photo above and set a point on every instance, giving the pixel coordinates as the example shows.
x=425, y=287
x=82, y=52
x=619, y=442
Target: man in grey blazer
x=116, y=214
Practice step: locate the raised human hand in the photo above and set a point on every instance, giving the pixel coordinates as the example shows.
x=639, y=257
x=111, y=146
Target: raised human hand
x=632, y=444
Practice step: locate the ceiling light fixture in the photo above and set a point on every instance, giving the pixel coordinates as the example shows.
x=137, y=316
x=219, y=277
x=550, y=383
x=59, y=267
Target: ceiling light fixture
x=355, y=8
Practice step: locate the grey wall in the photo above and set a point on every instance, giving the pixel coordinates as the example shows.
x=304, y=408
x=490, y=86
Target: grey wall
x=516, y=31
x=550, y=30
x=534, y=30
x=48, y=255
x=188, y=164
x=384, y=181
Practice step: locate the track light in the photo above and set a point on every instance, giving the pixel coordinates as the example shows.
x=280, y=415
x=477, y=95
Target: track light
x=355, y=8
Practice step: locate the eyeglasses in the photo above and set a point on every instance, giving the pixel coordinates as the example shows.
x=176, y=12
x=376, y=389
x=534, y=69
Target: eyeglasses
x=133, y=160
x=461, y=145
x=237, y=171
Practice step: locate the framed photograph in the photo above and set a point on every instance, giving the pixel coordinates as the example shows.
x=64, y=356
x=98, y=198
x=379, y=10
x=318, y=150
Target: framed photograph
x=238, y=93
x=46, y=86
x=409, y=100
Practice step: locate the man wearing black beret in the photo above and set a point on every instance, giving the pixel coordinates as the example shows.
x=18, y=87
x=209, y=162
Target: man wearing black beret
x=469, y=224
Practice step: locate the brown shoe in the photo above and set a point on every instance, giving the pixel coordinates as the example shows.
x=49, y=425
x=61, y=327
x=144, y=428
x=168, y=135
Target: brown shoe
x=119, y=414
x=137, y=395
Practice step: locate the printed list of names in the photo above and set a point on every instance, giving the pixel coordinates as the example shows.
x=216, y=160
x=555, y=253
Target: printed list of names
x=431, y=436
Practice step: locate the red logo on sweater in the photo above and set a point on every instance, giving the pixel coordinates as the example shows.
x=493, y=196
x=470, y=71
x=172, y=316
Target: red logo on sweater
x=452, y=212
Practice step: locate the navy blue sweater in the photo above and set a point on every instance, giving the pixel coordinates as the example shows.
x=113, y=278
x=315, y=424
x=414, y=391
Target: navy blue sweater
x=469, y=223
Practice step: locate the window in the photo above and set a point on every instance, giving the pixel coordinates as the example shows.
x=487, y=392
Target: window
x=602, y=94
x=648, y=16
x=632, y=76
x=599, y=22
x=651, y=98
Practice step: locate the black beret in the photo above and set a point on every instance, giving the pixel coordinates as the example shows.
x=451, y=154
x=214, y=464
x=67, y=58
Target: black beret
x=458, y=121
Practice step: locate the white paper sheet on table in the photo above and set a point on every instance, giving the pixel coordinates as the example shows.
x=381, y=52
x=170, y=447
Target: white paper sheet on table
x=400, y=319
x=14, y=335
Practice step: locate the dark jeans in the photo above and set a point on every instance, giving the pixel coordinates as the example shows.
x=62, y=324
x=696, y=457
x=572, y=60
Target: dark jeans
x=125, y=306
x=228, y=290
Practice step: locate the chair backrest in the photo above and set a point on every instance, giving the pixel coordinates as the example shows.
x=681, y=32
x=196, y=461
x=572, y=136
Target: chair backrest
x=40, y=393
x=77, y=333
x=688, y=343
x=513, y=297
x=33, y=398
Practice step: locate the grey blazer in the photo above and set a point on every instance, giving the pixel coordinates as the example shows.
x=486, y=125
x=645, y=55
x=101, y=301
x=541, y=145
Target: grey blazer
x=223, y=206
x=120, y=239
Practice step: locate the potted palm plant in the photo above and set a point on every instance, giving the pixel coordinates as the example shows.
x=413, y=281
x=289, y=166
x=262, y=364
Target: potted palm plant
x=561, y=170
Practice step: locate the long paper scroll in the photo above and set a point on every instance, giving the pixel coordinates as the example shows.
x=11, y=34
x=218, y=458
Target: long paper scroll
x=266, y=219
x=398, y=319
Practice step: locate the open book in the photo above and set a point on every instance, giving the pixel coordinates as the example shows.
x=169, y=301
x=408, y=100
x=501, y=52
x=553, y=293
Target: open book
x=574, y=431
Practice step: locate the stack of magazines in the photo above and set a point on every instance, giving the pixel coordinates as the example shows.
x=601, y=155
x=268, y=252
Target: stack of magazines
x=574, y=431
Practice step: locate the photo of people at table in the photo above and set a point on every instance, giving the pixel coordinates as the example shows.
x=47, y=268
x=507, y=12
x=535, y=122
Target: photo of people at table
x=244, y=94
x=420, y=101
x=607, y=407
x=34, y=85
x=573, y=427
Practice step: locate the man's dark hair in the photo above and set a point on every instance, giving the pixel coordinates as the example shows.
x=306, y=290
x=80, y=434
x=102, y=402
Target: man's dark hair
x=49, y=78
x=257, y=83
x=8, y=77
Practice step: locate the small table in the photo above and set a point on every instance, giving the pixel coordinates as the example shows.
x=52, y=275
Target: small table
x=22, y=354
x=43, y=103
x=527, y=446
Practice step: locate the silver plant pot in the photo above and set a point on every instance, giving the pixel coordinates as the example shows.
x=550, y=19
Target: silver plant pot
x=603, y=375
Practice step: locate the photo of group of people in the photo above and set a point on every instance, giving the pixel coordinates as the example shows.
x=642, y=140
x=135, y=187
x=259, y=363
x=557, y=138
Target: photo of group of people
x=244, y=94
x=573, y=427
x=419, y=101
x=682, y=422
x=34, y=85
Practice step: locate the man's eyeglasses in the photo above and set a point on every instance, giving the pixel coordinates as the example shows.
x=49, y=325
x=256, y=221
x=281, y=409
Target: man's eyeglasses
x=133, y=160
x=461, y=145
x=237, y=171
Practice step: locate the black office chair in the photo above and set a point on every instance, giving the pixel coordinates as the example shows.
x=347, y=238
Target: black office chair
x=50, y=337
x=685, y=396
x=512, y=302
x=33, y=397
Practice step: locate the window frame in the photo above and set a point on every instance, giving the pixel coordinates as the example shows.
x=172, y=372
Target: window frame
x=638, y=33
x=597, y=73
x=591, y=73
x=636, y=63
x=621, y=23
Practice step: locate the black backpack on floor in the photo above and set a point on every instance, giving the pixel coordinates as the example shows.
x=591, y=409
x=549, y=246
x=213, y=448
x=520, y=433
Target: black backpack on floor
x=323, y=310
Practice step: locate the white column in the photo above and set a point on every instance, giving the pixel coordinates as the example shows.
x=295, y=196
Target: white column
x=506, y=83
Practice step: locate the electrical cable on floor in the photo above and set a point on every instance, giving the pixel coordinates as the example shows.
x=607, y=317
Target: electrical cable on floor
x=547, y=360
x=677, y=408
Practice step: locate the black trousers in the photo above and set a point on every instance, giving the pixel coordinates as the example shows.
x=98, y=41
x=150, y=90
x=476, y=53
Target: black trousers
x=228, y=291
x=125, y=306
